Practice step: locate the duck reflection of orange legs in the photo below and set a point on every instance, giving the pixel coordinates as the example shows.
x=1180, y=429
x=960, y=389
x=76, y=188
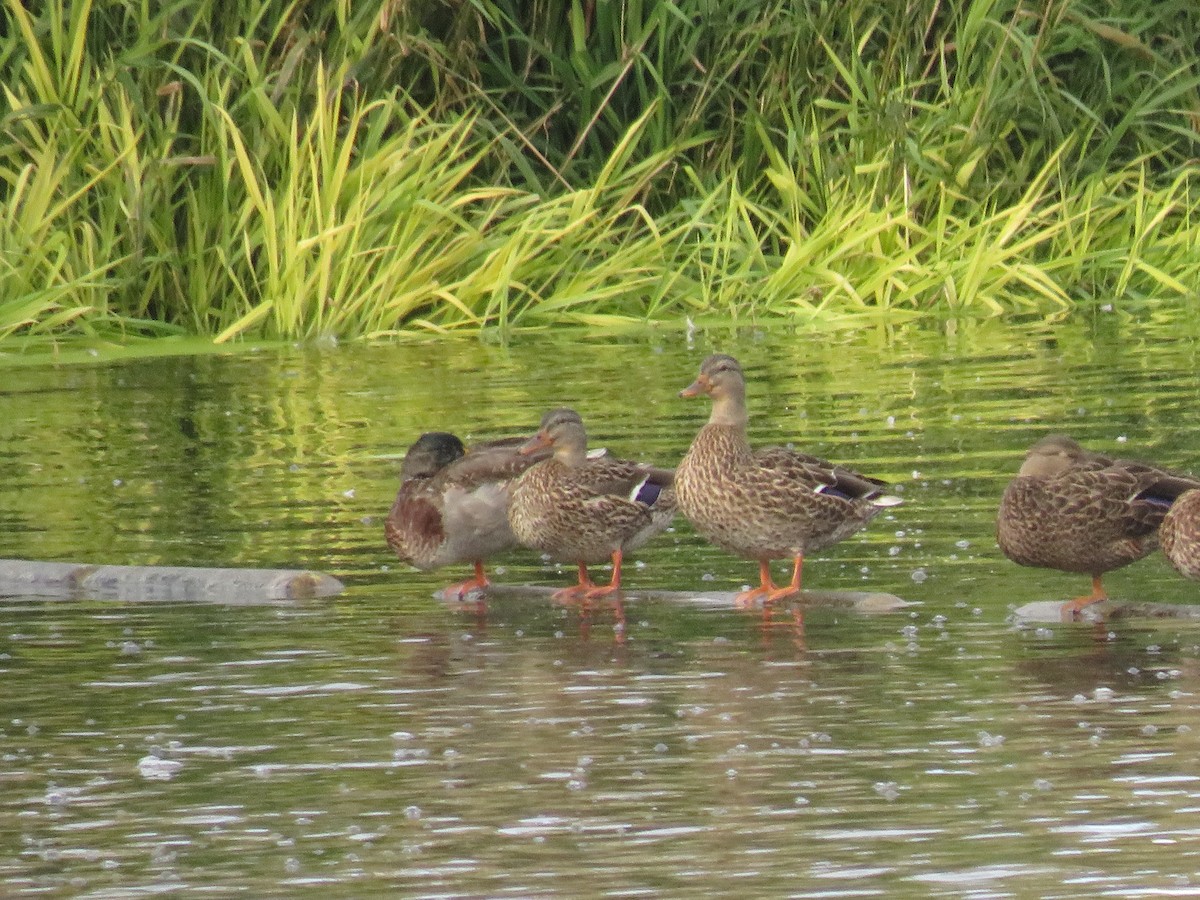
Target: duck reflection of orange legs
x=476, y=584
x=1072, y=608
x=586, y=615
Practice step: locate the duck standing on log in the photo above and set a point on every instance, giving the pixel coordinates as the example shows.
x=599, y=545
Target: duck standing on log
x=768, y=504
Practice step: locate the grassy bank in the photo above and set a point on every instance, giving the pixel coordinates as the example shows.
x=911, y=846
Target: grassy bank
x=330, y=168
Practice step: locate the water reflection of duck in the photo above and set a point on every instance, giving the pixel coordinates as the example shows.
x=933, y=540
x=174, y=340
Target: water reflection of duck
x=452, y=505
x=1180, y=534
x=769, y=504
x=1079, y=511
x=583, y=510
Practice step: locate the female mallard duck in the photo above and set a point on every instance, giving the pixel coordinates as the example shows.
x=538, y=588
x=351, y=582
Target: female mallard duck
x=452, y=505
x=1179, y=534
x=768, y=505
x=582, y=510
x=1079, y=511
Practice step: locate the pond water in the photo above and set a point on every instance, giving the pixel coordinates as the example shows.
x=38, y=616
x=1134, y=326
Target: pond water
x=385, y=741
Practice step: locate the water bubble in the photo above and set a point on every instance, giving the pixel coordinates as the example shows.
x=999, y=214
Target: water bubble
x=412, y=812
x=156, y=769
x=660, y=748
x=1103, y=693
x=990, y=740
x=888, y=790
x=919, y=576
x=963, y=544
x=1149, y=730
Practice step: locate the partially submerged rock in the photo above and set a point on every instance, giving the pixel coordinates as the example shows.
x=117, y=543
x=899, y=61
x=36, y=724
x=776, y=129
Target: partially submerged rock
x=1045, y=611
x=64, y=581
x=859, y=601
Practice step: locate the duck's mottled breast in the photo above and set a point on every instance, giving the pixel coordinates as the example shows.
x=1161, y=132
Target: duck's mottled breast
x=1180, y=534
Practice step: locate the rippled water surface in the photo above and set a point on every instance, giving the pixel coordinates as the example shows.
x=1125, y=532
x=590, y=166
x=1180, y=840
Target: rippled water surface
x=386, y=741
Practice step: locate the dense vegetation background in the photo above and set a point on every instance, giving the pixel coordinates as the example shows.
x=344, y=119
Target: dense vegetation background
x=328, y=167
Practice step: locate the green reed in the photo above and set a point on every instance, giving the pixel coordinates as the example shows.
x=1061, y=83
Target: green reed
x=292, y=170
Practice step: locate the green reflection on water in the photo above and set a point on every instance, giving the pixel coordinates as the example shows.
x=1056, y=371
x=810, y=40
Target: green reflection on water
x=384, y=741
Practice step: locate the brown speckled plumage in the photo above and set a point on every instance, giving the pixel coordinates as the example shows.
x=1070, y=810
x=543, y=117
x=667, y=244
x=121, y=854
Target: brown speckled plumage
x=581, y=510
x=452, y=505
x=770, y=504
x=1179, y=534
x=1078, y=511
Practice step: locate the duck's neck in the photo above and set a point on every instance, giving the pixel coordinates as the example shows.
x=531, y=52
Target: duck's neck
x=571, y=454
x=729, y=409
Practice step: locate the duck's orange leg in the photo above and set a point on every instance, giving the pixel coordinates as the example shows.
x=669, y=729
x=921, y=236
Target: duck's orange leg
x=1072, y=608
x=792, y=588
x=575, y=591
x=460, y=590
x=614, y=583
x=765, y=588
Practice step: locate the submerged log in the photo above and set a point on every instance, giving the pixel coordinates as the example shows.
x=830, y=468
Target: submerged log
x=137, y=584
x=858, y=601
x=1046, y=611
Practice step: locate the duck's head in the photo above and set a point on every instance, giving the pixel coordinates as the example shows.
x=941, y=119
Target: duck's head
x=719, y=376
x=722, y=380
x=430, y=453
x=561, y=430
x=1052, y=455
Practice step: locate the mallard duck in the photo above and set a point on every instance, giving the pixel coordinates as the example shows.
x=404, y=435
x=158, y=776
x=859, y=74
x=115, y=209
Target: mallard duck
x=1179, y=534
x=581, y=510
x=770, y=504
x=1079, y=511
x=452, y=505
